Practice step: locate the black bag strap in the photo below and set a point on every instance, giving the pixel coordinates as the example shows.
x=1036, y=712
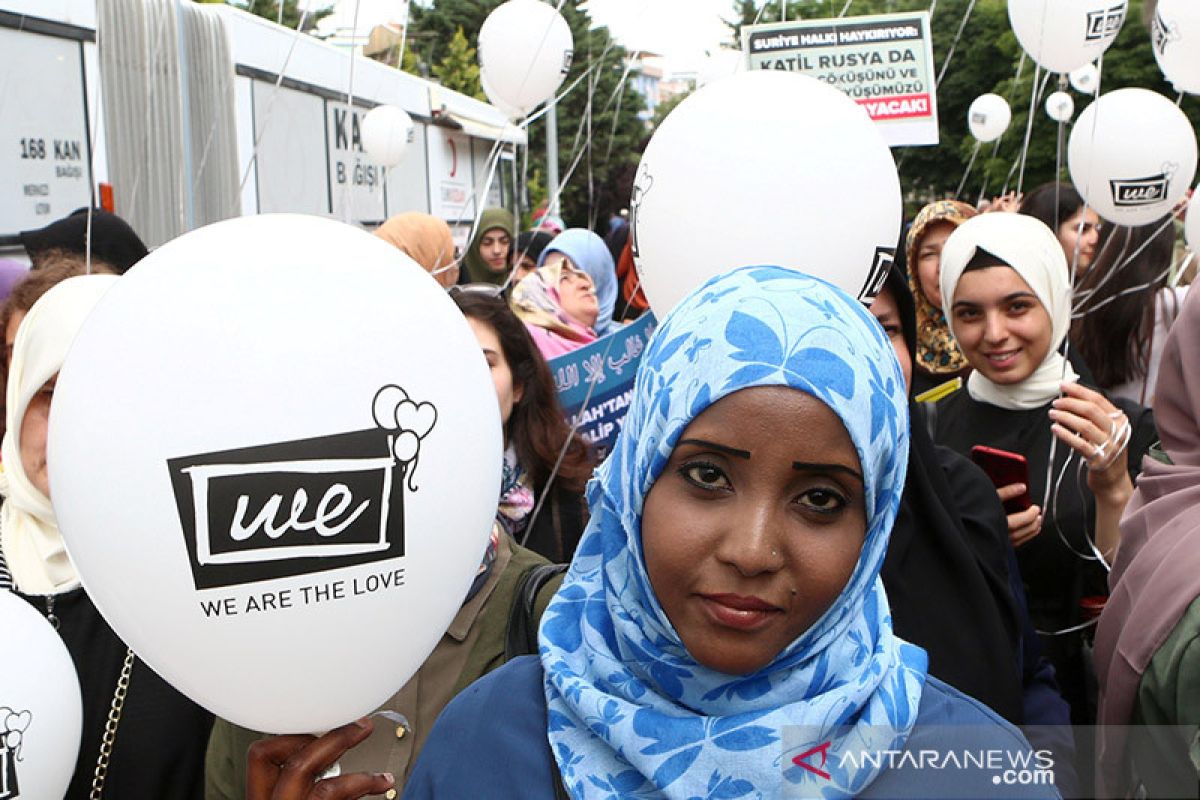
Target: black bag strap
x=521, y=636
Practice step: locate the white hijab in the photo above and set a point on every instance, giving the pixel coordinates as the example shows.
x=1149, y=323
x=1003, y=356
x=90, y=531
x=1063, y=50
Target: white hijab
x=1032, y=249
x=29, y=536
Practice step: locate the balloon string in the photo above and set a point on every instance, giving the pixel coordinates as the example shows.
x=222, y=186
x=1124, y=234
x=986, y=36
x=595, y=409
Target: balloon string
x=1012, y=90
x=1082, y=297
x=268, y=113
x=1034, y=97
x=347, y=195
x=974, y=154
x=954, y=45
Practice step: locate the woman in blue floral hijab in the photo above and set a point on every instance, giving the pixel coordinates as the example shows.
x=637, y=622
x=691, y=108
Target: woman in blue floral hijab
x=723, y=631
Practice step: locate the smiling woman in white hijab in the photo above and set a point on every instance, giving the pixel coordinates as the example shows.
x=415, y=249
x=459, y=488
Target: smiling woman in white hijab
x=1007, y=295
x=160, y=736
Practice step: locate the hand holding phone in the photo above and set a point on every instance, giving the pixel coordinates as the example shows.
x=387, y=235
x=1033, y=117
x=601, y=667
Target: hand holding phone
x=1005, y=469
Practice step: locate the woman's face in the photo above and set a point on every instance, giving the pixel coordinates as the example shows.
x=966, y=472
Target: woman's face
x=754, y=526
x=493, y=248
x=1071, y=234
x=33, y=437
x=1001, y=326
x=507, y=393
x=576, y=293
x=929, y=260
x=525, y=265
x=888, y=313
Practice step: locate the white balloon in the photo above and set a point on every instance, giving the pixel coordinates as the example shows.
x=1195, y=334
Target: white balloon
x=1086, y=79
x=387, y=131
x=1191, y=226
x=525, y=51
x=506, y=108
x=989, y=117
x=1063, y=35
x=267, y=534
x=1060, y=107
x=780, y=150
x=1132, y=156
x=1175, y=32
x=41, y=713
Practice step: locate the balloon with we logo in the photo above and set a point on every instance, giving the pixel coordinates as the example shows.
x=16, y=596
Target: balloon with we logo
x=304, y=454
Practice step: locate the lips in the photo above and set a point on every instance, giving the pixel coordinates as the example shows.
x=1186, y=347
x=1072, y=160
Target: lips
x=1003, y=359
x=738, y=611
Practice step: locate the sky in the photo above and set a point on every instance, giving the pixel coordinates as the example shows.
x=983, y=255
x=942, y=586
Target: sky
x=683, y=31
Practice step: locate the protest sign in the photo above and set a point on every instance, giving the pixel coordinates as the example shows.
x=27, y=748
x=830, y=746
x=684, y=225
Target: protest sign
x=884, y=62
x=595, y=383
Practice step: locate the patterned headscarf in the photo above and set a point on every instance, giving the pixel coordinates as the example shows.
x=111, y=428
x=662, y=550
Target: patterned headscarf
x=535, y=301
x=589, y=253
x=937, y=352
x=631, y=713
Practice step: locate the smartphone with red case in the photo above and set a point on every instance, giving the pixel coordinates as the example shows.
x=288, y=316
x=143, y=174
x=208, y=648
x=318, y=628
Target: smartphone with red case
x=1005, y=469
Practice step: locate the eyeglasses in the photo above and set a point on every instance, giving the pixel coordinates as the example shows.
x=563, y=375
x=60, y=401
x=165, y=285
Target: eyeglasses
x=485, y=289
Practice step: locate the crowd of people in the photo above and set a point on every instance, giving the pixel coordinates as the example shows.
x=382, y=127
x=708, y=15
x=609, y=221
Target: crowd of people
x=970, y=505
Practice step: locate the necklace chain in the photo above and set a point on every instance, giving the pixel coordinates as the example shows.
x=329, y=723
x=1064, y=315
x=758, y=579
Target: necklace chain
x=110, y=727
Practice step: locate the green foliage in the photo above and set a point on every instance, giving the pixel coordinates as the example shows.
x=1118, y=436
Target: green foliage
x=665, y=108
x=292, y=13
x=458, y=69
x=605, y=141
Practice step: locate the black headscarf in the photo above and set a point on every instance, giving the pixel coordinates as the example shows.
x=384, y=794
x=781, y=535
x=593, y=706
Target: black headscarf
x=113, y=240
x=946, y=572
x=532, y=243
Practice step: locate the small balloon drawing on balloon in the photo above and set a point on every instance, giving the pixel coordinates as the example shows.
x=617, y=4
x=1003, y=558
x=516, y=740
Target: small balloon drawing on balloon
x=641, y=185
x=410, y=421
x=1060, y=107
x=13, y=725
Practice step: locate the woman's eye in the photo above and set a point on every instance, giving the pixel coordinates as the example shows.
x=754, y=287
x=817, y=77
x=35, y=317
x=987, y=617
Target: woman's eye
x=705, y=475
x=1019, y=307
x=966, y=314
x=892, y=331
x=823, y=501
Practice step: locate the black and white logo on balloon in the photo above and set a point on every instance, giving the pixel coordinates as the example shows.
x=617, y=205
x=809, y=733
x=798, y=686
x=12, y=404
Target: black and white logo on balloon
x=1105, y=23
x=13, y=725
x=568, y=58
x=1135, y=192
x=880, y=266
x=291, y=508
x=1163, y=33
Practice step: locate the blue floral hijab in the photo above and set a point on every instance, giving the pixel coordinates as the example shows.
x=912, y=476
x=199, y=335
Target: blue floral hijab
x=631, y=713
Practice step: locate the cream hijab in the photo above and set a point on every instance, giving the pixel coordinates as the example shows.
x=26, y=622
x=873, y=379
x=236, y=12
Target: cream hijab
x=29, y=536
x=1032, y=249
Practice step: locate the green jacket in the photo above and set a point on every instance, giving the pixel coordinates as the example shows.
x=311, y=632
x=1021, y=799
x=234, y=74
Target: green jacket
x=473, y=645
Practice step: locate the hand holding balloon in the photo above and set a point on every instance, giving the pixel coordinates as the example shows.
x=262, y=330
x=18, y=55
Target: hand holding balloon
x=290, y=767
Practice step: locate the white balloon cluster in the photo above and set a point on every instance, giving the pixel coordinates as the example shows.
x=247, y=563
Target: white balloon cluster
x=525, y=52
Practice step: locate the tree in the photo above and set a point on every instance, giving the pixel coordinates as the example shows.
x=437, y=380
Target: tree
x=599, y=130
x=458, y=69
x=292, y=12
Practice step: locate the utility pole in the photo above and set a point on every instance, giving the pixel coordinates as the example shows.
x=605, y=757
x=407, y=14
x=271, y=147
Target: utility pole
x=552, y=156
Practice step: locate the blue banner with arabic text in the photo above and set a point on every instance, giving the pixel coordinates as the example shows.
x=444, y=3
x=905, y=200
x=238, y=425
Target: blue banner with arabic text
x=595, y=383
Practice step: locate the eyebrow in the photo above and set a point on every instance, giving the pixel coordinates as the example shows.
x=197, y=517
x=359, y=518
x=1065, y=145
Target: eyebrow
x=805, y=466
x=733, y=451
x=1005, y=299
